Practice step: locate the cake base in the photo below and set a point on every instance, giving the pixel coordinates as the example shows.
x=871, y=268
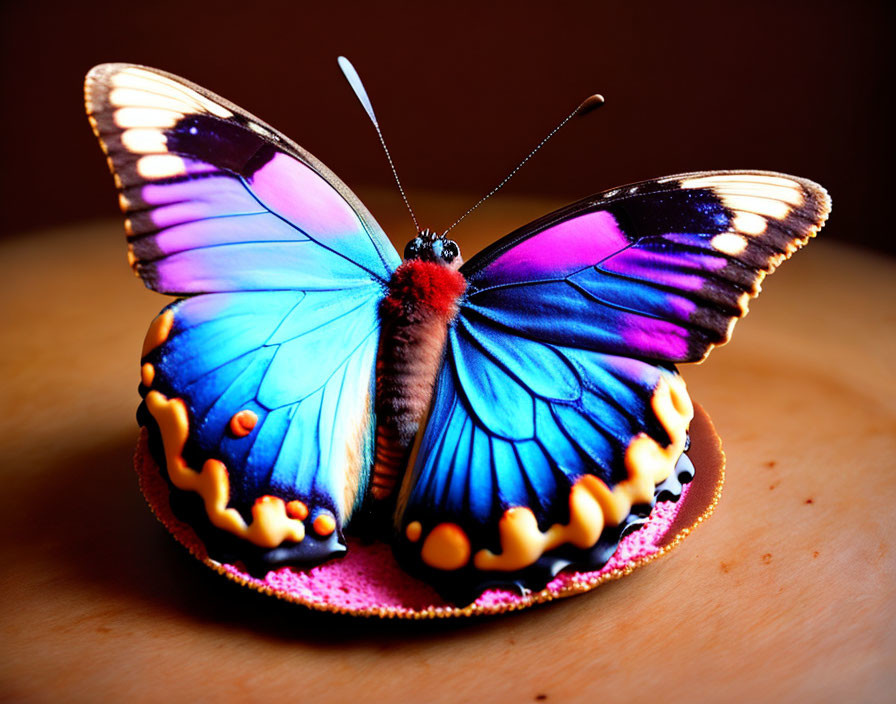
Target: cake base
x=369, y=582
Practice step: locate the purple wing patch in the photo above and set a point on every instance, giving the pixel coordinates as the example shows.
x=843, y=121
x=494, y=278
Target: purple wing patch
x=660, y=270
x=559, y=250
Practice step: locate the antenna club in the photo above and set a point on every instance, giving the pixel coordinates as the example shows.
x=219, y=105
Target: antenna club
x=590, y=104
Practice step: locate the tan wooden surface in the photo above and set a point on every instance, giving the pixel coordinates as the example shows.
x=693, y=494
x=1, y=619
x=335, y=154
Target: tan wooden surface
x=787, y=594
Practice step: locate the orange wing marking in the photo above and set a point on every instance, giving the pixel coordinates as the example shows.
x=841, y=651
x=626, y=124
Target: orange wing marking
x=592, y=504
x=446, y=547
x=159, y=330
x=271, y=524
x=242, y=423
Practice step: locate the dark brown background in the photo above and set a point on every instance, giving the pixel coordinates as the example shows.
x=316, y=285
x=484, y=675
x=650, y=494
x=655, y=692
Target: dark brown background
x=463, y=91
x=787, y=595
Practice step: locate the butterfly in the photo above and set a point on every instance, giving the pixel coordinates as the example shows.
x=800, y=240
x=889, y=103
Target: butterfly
x=497, y=420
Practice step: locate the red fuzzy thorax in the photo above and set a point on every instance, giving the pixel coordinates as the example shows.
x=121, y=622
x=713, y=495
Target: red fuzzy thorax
x=419, y=285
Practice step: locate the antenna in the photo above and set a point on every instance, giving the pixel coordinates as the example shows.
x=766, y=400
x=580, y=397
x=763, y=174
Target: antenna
x=354, y=80
x=591, y=103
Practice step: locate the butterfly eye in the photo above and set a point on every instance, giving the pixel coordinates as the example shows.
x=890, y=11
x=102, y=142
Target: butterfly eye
x=413, y=248
x=450, y=250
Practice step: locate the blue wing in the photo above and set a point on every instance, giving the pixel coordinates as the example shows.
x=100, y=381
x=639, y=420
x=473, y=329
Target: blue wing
x=535, y=457
x=257, y=387
x=558, y=416
x=275, y=389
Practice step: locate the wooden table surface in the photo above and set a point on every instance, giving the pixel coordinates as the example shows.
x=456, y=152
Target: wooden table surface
x=787, y=594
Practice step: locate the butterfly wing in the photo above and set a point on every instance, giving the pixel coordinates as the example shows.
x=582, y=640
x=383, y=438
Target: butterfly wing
x=258, y=385
x=558, y=414
x=216, y=200
x=262, y=403
x=657, y=270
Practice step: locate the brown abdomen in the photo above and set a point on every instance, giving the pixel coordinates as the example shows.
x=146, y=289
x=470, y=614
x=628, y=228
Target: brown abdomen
x=422, y=302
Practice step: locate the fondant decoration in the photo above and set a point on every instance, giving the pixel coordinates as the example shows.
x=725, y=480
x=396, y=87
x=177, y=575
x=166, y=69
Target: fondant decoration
x=242, y=423
x=498, y=420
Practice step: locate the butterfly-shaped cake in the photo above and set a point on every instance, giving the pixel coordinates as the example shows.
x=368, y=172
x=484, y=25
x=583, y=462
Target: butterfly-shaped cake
x=496, y=420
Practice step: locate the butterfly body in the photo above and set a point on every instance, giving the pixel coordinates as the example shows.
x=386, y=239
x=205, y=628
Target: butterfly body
x=513, y=414
x=421, y=304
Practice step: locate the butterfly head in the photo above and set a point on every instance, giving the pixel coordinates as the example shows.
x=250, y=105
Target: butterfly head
x=431, y=247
